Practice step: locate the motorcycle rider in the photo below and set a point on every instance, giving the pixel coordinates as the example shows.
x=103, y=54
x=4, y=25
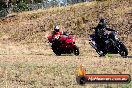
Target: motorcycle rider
x=101, y=38
x=57, y=33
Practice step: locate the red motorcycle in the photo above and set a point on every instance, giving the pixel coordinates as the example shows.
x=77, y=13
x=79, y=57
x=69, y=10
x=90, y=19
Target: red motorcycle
x=63, y=44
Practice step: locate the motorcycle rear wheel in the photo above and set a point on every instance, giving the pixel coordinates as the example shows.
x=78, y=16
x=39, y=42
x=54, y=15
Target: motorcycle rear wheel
x=56, y=50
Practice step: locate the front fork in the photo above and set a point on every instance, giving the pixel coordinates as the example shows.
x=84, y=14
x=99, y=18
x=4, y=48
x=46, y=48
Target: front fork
x=118, y=46
x=110, y=42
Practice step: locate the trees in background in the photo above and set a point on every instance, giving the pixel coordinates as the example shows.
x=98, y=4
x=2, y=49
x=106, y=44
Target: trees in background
x=22, y=4
x=1, y=4
x=26, y=1
x=5, y=4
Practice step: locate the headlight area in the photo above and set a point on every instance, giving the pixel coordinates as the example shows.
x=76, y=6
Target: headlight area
x=116, y=37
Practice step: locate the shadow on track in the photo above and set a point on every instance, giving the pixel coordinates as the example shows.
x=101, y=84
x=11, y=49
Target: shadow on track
x=128, y=57
x=114, y=56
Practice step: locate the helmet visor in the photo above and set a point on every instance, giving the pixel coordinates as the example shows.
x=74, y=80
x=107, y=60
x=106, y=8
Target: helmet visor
x=56, y=30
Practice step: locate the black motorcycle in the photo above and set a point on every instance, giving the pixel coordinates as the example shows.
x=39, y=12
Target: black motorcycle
x=113, y=44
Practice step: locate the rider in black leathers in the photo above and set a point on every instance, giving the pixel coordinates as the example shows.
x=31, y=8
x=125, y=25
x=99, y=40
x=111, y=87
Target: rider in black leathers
x=100, y=36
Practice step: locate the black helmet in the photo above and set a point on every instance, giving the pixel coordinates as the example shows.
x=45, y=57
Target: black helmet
x=103, y=21
x=56, y=29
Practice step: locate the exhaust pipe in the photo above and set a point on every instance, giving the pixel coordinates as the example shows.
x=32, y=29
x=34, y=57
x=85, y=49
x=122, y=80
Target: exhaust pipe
x=94, y=46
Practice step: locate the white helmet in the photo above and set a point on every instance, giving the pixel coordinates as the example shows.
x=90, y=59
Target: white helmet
x=56, y=28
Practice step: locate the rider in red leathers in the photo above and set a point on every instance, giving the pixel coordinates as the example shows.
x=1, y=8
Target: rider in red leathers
x=57, y=33
x=62, y=42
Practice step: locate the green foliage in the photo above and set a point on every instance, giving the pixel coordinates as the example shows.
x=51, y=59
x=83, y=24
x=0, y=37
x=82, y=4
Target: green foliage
x=27, y=1
x=54, y=2
x=38, y=1
x=101, y=0
x=21, y=7
x=2, y=4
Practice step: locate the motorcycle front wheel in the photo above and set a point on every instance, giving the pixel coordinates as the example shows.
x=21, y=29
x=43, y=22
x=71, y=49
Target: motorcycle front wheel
x=123, y=50
x=76, y=50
